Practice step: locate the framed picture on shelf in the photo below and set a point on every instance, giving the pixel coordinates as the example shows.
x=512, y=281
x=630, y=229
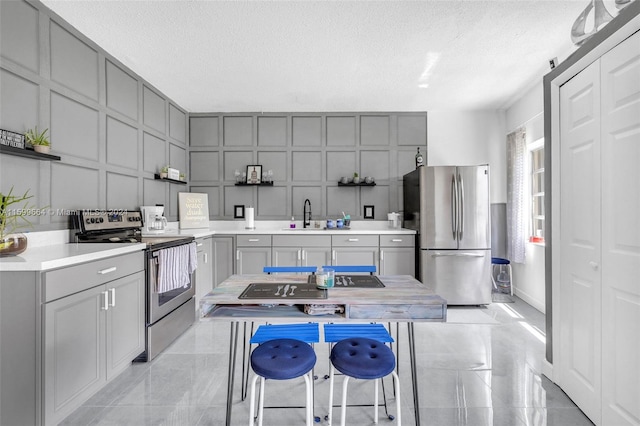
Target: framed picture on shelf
x=254, y=174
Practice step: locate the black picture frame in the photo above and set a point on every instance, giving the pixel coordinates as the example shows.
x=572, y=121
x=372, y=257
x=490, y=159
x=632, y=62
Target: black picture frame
x=369, y=212
x=238, y=212
x=254, y=174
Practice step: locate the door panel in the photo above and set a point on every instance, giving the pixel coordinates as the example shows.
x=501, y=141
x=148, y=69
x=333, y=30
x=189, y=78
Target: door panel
x=580, y=285
x=474, y=225
x=620, y=137
x=437, y=204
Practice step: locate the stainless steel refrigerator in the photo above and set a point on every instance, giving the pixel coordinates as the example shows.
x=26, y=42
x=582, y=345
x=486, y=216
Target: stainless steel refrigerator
x=449, y=208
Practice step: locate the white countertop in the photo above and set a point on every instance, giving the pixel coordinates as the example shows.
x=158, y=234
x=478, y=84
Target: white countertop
x=42, y=258
x=50, y=250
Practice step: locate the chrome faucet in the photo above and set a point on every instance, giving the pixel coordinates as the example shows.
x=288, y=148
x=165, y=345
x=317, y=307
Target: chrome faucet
x=306, y=220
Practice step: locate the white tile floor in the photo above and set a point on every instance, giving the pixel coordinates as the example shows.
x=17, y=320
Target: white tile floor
x=482, y=368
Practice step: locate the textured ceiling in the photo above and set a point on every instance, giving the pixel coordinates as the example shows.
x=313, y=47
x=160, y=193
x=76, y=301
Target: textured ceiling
x=331, y=55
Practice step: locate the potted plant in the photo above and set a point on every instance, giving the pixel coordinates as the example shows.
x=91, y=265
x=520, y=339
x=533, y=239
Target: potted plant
x=38, y=140
x=356, y=178
x=12, y=242
x=164, y=172
x=183, y=177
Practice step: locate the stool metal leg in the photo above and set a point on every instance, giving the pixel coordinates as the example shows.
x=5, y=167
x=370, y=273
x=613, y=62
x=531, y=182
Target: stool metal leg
x=331, y=377
x=375, y=401
x=343, y=414
x=398, y=406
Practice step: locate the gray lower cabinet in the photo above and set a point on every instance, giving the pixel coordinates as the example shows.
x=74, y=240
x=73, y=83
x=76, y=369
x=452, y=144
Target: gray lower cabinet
x=397, y=255
x=353, y=249
x=204, y=271
x=90, y=336
x=253, y=252
x=223, y=259
x=301, y=250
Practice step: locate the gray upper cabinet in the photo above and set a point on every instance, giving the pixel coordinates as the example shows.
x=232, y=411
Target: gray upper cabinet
x=374, y=130
x=73, y=63
x=272, y=131
x=19, y=34
x=204, y=131
x=341, y=131
x=122, y=91
x=177, y=124
x=238, y=131
x=307, y=131
x=153, y=110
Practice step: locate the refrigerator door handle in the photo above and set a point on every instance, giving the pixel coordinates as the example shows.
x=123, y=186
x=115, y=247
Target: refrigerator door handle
x=460, y=206
x=456, y=254
x=454, y=206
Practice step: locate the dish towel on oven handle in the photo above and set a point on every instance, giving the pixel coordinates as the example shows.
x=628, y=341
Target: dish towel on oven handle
x=175, y=266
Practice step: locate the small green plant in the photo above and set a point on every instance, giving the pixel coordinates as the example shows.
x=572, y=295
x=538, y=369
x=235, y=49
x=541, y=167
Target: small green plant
x=37, y=138
x=165, y=169
x=355, y=174
x=12, y=219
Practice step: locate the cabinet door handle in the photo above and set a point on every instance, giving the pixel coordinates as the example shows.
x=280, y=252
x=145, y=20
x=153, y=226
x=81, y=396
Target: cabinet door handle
x=206, y=258
x=113, y=297
x=333, y=255
x=303, y=254
x=237, y=254
x=353, y=240
x=105, y=306
x=381, y=255
x=299, y=254
x=198, y=244
x=396, y=240
x=254, y=240
x=594, y=265
x=107, y=270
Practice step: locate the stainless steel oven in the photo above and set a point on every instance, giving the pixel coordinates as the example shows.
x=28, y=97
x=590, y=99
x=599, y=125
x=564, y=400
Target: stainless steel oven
x=169, y=312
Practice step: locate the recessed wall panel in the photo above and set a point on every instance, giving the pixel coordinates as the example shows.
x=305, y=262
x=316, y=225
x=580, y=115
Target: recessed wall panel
x=234, y=195
x=314, y=194
x=154, y=110
x=272, y=201
x=374, y=130
x=412, y=130
x=178, y=158
x=18, y=103
x=238, y=131
x=272, y=131
x=204, y=166
x=73, y=63
x=339, y=164
x=122, y=191
x=377, y=196
x=177, y=124
x=154, y=192
x=19, y=34
x=21, y=174
x=343, y=199
x=307, y=131
x=375, y=164
x=213, y=198
x=236, y=160
x=74, y=128
x=122, y=91
x=307, y=166
x=341, y=131
x=83, y=194
x=122, y=144
x=407, y=161
x=203, y=131
x=275, y=161
x=153, y=152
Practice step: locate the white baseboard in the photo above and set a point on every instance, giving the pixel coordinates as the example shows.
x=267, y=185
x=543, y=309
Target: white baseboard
x=547, y=369
x=539, y=305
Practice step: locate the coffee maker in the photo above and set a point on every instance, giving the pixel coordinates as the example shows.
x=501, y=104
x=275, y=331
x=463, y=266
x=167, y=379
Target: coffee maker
x=153, y=219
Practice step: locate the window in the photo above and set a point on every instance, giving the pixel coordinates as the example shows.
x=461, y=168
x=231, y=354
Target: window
x=536, y=186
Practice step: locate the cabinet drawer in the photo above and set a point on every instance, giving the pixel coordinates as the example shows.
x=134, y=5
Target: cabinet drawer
x=302, y=241
x=354, y=240
x=397, y=312
x=401, y=240
x=253, y=240
x=65, y=281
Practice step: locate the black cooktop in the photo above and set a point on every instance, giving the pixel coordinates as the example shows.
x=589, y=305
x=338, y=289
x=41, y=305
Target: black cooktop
x=282, y=291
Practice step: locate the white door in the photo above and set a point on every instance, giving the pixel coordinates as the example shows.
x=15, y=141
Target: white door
x=620, y=69
x=580, y=286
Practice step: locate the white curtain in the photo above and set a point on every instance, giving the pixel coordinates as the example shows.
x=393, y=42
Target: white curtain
x=516, y=193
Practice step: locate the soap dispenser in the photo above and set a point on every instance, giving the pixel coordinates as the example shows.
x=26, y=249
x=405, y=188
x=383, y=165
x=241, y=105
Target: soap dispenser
x=292, y=225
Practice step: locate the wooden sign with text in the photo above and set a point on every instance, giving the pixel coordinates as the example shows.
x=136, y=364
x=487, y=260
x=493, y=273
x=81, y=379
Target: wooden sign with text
x=193, y=210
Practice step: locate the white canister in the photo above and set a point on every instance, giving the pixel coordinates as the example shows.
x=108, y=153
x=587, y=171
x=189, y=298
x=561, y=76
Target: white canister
x=393, y=219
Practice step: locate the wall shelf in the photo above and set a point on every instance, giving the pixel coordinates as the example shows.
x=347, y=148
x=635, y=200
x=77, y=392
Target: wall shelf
x=179, y=182
x=255, y=184
x=357, y=184
x=27, y=153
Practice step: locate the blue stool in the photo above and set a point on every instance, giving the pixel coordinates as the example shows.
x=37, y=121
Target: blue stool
x=501, y=280
x=362, y=358
x=281, y=359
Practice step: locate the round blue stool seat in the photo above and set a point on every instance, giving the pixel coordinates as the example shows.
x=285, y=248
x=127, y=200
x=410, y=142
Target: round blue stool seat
x=499, y=261
x=363, y=358
x=283, y=359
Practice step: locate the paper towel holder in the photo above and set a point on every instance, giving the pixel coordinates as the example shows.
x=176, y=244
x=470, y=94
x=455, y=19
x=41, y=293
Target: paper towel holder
x=238, y=212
